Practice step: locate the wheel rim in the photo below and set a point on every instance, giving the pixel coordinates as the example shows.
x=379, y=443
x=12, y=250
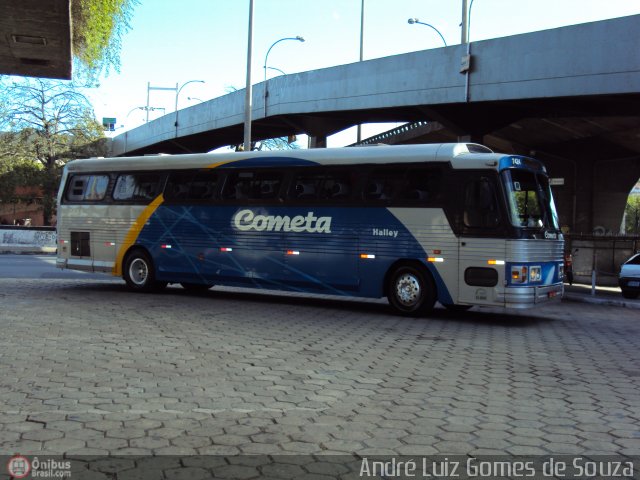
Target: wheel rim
x=139, y=272
x=408, y=290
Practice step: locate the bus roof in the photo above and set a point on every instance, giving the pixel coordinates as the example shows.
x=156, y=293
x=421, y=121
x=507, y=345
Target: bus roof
x=461, y=155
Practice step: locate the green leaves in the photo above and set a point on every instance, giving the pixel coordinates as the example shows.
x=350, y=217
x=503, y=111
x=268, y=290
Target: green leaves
x=98, y=27
x=45, y=123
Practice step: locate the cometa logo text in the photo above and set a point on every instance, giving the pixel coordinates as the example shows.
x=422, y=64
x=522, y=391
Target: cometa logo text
x=246, y=220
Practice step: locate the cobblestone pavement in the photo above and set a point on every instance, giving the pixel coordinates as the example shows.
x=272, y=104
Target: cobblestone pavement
x=89, y=368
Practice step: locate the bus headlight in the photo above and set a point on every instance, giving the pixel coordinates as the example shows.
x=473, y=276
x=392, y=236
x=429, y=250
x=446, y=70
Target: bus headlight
x=519, y=274
x=561, y=272
x=535, y=274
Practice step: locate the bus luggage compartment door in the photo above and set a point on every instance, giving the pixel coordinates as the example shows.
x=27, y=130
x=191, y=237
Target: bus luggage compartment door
x=481, y=270
x=328, y=265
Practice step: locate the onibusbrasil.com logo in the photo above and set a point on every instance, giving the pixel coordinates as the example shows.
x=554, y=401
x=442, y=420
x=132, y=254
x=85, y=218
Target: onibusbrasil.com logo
x=20, y=466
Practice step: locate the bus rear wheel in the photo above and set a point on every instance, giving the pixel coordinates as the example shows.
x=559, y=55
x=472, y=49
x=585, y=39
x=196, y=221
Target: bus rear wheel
x=139, y=272
x=411, y=290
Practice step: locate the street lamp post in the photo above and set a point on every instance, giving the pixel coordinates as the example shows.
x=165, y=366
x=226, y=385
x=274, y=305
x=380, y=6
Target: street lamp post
x=466, y=33
x=184, y=85
x=277, y=70
x=178, y=90
x=174, y=89
x=248, y=93
x=149, y=88
x=146, y=109
x=266, y=58
x=359, y=129
x=412, y=21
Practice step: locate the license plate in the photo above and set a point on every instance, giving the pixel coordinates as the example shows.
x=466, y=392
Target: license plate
x=553, y=294
x=634, y=284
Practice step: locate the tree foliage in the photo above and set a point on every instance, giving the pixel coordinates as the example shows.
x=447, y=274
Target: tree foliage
x=632, y=215
x=46, y=124
x=16, y=168
x=98, y=27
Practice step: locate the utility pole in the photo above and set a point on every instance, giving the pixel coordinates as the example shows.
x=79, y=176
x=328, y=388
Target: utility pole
x=359, y=135
x=248, y=93
x=465, y=23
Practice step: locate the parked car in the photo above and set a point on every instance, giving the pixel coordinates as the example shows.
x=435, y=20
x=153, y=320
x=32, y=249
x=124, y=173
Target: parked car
x=629, y=278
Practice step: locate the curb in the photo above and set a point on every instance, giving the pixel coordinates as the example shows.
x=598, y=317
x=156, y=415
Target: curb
x=611, y=302
x=26, y=249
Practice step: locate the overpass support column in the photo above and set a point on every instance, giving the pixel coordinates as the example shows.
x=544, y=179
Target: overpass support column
x=613, y=179
x=593, y=193
x=318, y=141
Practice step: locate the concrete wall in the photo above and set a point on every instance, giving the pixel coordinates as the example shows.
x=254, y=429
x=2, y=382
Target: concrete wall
x=27, y=239
x=603, y=254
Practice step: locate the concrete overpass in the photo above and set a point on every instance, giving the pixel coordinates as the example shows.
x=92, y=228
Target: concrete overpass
x=570, y=96
x=35, y=38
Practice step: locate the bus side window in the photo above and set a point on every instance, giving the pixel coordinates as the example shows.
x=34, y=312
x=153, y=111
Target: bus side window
x=138, y=187
x=266, y=185
x=237, y=186
x=480, y=204
x=423, y=185
x=305, y=186
x=337, y=185
x=178, y=186
x=383, y=184
x=203, y=186
x=89, y=188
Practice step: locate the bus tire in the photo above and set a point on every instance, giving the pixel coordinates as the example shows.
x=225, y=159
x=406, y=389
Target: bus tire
x=196, y=287
x=139, y=272
x=411, y=291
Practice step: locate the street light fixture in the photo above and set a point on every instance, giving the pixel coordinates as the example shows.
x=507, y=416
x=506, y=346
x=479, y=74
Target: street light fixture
x=175, y=89
x=146, y=109
x=277, y=70
x=178, y=90
x=412, y=21
x=298, y=38
x=266, y=57
x=248, y=90
x=184, y=85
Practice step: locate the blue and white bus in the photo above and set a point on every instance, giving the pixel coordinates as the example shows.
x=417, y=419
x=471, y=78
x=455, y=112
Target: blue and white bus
x=452, y=223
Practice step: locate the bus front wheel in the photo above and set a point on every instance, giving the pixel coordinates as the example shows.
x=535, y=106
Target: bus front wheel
x=139, y=272
x=411, y=290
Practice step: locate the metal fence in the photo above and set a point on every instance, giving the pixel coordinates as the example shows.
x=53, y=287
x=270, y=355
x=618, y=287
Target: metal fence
x=600, y=255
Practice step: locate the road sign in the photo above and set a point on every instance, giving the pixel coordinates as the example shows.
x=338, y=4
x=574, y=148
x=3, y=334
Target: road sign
x=109, y=123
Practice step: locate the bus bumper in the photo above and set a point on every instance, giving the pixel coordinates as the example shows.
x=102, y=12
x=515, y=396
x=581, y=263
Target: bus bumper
x=527, y=297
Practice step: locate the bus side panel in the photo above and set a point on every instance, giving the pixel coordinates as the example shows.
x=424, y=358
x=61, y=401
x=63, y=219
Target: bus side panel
x=392, y=234
x=431, y=230
x=475, y=253
x=178, y=237
x=105, y=225
x=344, y=251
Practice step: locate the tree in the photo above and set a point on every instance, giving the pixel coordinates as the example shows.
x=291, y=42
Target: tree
x=98, y=27
x=632, y=215
x=48, y=123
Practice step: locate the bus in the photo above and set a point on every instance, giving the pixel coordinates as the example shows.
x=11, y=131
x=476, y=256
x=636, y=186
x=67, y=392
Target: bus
x=451, y=223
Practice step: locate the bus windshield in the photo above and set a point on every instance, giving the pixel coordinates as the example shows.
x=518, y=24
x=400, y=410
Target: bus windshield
x=530, y=200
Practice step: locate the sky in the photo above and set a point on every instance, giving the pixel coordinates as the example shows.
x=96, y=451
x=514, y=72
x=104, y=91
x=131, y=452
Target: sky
x=174, y=42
